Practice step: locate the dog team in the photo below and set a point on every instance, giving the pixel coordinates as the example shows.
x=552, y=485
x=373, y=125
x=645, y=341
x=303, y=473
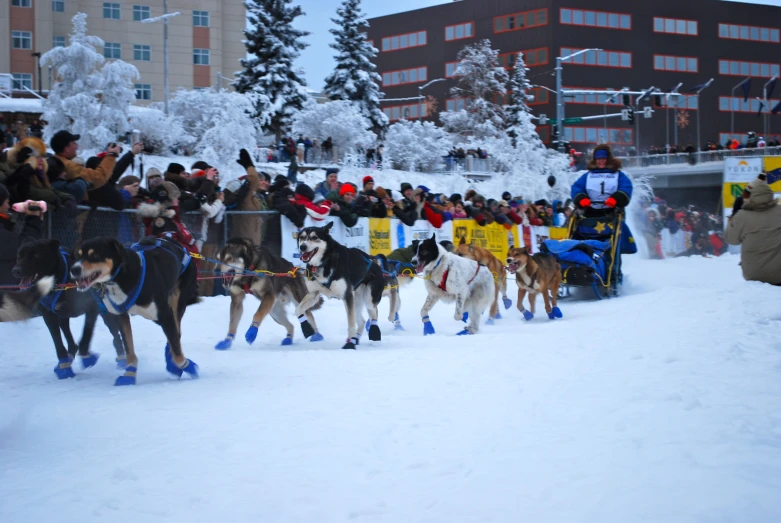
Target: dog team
x=157, y=280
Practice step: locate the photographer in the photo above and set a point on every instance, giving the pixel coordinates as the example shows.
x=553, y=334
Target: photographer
x=109, y=195
x=10, y=241
x=72, y=178
x=756, y=226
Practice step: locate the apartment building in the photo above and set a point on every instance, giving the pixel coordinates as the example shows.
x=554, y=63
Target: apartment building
x=204, y=40
x=644, y=44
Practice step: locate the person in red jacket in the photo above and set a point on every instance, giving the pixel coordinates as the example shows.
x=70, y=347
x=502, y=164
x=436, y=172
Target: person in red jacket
x=305, y=196
x=161, y=216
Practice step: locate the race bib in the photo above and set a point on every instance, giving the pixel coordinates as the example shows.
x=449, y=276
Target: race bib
x=600, y=186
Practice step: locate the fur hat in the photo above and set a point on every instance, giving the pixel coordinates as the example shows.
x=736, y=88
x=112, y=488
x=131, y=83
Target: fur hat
x=381, y=193
x=172, y=191
x=347, y=188
x=154, y=172
x=37, y=149
x=405, y=186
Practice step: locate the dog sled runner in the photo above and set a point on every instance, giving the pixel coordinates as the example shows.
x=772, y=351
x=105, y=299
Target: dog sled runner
x=591, y=256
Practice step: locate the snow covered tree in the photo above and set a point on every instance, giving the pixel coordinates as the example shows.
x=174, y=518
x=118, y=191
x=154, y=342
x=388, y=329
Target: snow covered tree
x=117, y=95
x=159, y=132
x=480, y=81
x=73, y=103
x=273, y=45
x=520, y=126
x=340, y=119
x=416, y=146
x=220, y=123
x=355, y=78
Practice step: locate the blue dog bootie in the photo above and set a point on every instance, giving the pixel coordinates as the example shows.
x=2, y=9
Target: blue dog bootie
x=288, y=340
x=121, y=362
x=507, y=302
x=89, y=360
x=555, y=313
x=190, y=368
x=63, y=369
x=252, y=332
x=316, y=337
x=397, y=323
x=226, y=343
x=527, y=315
x=465, y=332
x=428, y=327
x=465, y=317
x=128, y=378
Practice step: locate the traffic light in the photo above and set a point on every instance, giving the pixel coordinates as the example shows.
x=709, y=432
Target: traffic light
x=658, y=100
x=631, y=115
x=626, y=100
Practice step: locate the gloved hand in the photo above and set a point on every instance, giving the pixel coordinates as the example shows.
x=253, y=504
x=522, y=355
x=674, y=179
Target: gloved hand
x=244, y=159
x=584, y=202
x=611, y=202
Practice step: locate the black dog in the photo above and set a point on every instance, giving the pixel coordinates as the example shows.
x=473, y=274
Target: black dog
x=348, y=274
x=20, y=305
x=45, y=258
x=155, y=278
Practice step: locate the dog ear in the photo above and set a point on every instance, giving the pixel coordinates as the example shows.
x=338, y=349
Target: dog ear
x=328, y=226
x=118, y=249
x=462, y=241
x=434, y=237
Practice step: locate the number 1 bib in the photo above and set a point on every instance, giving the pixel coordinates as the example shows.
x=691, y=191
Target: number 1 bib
x=599, y=187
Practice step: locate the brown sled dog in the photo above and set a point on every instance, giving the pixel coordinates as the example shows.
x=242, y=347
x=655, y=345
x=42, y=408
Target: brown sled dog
x=536, y=274
x=238, y=257
x=486, y=257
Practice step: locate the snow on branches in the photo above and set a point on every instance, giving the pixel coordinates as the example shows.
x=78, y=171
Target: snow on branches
x=355, y=78
x=340, y=119
x=416, y=146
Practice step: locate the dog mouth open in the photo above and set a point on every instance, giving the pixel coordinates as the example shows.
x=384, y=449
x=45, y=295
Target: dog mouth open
x=24, y=282
x=306, y=256
x=85, y=282
x=513, y=267
x=420, y=266
x=227, y=276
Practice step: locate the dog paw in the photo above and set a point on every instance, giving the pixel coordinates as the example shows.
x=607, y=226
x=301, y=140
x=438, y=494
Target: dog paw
x=191, y=368
x=349, y=345
x=251, y=334
x=89, y=360
x=287, y=341
x=398, y=327
x=173, y=368
x=63, y=369
x=527, y=315
x=489, y=321
x=498, y=315
x=428, y=329
x=128, y=378
x=507, y=302
x=374, y=333
x=122, y=363
x=464, y=318
x=225, y=344
x=557, y=313
x=316, y=337
x=464, y=333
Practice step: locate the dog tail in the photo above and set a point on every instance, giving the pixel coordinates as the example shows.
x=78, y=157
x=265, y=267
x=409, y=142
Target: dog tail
x=317, y=305
x=19, y=306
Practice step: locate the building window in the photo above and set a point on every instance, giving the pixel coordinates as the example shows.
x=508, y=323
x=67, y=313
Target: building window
x=22, y=80
x=201, y=56
x=460, y=31
x=749, y=32
x=405, y=41
x=540, y=96
x=682, y=64
x=143, y=92
x=686, y=101
x=201, y=18
x=736, y=104
x=21, y=39
x=141, y=12
x=594, y=99
x=58, y=6
x=757, y=69
x=532, y=57
x=598, y=135
x=405, y=76
x=675, y=26
x=112, y=50
x=142, y=53
x=450, y=69
x=21, y=3
x=59, y=41
x=619, y=59
x=455, y=104
x=406, y=112
x=517, y=21
x=595, y=19
x=111, y=11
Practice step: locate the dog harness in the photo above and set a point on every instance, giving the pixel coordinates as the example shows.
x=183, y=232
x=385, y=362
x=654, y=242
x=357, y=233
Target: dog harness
x=442, y=284
x=49, y=302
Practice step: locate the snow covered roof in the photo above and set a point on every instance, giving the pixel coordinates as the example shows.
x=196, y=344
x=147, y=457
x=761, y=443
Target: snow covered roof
x=33, y=105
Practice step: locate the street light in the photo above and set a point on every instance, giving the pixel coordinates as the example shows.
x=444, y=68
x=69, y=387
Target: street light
x=766, y=117
x=699, y=89
x=667, y=118
x=164, y=18
x=732, y=108
x=560, y=98
x=38, y=56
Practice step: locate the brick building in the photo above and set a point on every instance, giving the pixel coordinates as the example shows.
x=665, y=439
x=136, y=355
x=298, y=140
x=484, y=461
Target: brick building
x=659, y=43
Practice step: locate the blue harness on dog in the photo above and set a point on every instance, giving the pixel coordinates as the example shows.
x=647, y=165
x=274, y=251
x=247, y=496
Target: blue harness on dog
x=49, y=302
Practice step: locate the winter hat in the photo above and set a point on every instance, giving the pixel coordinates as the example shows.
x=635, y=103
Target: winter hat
x=61, y=140
x=331, y=170
x=128, y=180
x=305, y=191
x=405, y=186
x=424, y=188
x=347, y=188
x=198, y=173
x=506, y=196
x=503, y=202
x=3, y=194
x=154, y=172
x=396, y=196
x=367, y=179
x=491, y=202
x=455, y=197
x=200, y=165
x=166, y=192
x=281, y=180
x=173, y=168
x=261, y=174
x=382, y=193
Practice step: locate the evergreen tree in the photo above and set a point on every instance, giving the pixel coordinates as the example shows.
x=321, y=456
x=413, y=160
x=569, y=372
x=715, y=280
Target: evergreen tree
x=355, y=78
x=520, y=127
x=273, y=45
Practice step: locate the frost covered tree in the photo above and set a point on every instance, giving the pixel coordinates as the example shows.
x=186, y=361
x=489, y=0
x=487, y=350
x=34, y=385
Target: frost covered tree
x=416, y=146
x=481, y=80
x=159, y=131
x=355, y=78
x=117, y=95
x=73, y=103
x=340, y=119
x=220, y=123
x=520, y=126
x=273, y=45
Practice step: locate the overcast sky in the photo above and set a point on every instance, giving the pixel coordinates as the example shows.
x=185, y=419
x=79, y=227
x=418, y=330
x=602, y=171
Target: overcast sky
x=317, y=60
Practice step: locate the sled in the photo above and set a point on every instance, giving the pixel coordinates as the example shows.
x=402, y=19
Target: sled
x=590, y=256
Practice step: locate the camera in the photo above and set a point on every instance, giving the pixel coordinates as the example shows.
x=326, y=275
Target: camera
x=112, y=144
x=29, y=205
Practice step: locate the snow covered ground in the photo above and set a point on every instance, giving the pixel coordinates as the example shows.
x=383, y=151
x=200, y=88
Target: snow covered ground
x=662, y=405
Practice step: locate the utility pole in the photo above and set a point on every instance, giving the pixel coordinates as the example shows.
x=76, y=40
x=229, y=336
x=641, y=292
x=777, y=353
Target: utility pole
x=732, y=107
x=560, y=97
x=164, y=18
x=40, y=80
x=704, y=86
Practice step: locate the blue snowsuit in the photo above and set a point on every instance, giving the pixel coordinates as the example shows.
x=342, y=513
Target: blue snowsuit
x=600, y=184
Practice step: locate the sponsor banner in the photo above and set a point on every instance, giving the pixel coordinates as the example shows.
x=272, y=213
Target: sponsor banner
x=380, y=236
x=744, y=170
x=357, y=236
x=403, y=235
x=558, y=233
x=493, y=237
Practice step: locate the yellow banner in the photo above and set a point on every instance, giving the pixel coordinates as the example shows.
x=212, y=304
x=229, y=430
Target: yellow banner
x=557, y=233
x=492, y=237
x=379, y=236
x=771, y=167
x=731, y=191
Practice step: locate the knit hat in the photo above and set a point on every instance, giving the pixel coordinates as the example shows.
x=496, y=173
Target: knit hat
x=347, y=188
x=173, y=168
x=128, y=180
x=200, y=165
x=405, y=187
x=281, y=180
x=506, y=196
x=424, y=188
x=198, y=173
x=154, y=172
x=331, y=170
x=367, y=179
x=305, y=191
x=455, y=197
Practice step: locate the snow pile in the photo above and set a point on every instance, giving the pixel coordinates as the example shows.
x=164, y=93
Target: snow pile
x=674, y=417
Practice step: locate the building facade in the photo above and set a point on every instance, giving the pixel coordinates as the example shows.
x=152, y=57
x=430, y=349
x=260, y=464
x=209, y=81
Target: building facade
x=204, y=41
x=645, y=44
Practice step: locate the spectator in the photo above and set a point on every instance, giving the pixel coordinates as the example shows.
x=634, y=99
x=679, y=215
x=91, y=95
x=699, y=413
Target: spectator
x=283, y=200
x=27, y=178
x=757, y=228
x=330, y=184
x=245, y=197
x=10, y=241
x=109, y=195
x=317, y=211
x=344, y=204
x=68, y=176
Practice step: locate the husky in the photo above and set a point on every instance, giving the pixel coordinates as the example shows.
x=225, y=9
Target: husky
x=239, y=257
x=536, y=274
x=450, y=277
x=44, y=257
x=155, y=279
x=348, y=274
x=486, y=257
x=20, y=305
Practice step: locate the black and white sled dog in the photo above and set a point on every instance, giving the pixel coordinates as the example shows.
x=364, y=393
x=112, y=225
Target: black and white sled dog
x=239, y=258
x=45, y=258
x=450, y=277
x=348, y=274
x=20, y=305
x=155, y=279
